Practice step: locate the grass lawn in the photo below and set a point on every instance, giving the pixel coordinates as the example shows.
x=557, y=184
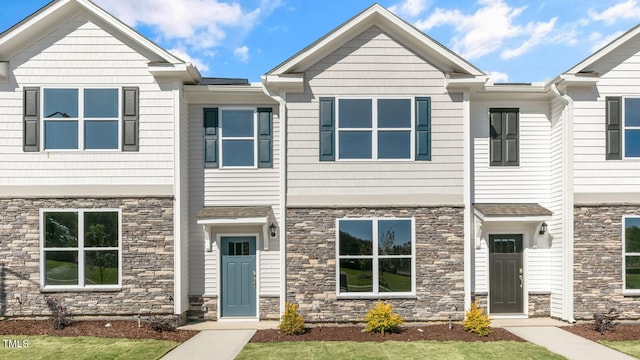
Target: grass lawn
x=628, y=347
x=333, y=350
x=83, y=347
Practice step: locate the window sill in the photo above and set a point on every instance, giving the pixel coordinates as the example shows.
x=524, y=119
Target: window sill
x=78, y=289
x=375, y=296
x=631, y=293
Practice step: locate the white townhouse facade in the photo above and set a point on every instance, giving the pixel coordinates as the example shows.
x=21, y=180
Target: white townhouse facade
x=373, y=164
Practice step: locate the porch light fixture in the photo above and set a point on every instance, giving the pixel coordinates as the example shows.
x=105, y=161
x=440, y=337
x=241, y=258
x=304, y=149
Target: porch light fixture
x=273, y=228
x=543, y=228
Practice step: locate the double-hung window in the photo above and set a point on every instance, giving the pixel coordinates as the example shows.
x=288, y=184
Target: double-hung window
x=375, y=128
x=631, y=253
x=80, y=248
x=238, y=138
x=376, y=256
x=81, y=119
x=631, y=127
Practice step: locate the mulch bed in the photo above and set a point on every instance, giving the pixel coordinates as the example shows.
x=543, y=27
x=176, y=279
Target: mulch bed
x=99, y=328
x=437, y=332
x=621, y=332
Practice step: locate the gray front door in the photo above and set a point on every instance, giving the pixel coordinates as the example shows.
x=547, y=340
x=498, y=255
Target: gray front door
x=238, y=275
x=505, y=274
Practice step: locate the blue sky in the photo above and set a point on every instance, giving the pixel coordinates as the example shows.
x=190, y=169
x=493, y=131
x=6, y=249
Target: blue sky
x=515, y=40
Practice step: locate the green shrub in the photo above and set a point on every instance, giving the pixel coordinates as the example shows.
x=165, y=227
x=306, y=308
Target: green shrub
x=292, y=323
x=382, y=319
x=476, y=321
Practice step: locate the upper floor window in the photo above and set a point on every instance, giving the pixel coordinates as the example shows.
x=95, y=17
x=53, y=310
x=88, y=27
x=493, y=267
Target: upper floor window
x=84, y=119
x=238, y=137
x=81, y=119
x=375, y=129
x=375, y=256
x=632, y=127
x=80, y=248
x=504, y=137
x=631, y=253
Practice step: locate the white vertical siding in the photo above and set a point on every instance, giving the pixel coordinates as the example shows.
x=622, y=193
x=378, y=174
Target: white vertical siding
x=526, y=183
x=373, y=64
x=230, y=187
x=80, y=53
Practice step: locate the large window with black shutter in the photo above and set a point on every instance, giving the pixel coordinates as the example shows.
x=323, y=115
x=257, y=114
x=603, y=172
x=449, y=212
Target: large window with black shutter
x=238, y=137
x=631, y=137
x=622, y=127
x=504, y=137
x=375, y=128
x=80, y=119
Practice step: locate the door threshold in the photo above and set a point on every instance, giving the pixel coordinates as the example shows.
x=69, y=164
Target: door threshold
x=509, y=316
x=238, y=319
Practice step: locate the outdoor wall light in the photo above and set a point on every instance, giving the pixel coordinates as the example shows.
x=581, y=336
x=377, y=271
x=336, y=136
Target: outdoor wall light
x=543, y=228
x=273, y=228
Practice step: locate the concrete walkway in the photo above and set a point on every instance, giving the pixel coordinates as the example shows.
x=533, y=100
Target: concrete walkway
x=546, y=333
x=217, y=340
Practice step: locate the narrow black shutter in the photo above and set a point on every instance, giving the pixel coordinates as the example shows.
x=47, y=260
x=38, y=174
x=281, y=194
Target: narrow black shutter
x=130, y=119
x=327, y=129
x=504, y=137
x=423, y=128
x=613, y=133
x=265, y=138
x=31, y=123
x=210, y=125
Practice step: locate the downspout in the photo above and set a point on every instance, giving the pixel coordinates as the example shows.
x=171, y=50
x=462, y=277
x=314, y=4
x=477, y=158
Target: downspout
x=282, y=116
x=567, y=190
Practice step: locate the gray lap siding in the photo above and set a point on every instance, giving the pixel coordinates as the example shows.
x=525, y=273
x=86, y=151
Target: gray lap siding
x=147, y=258
x=311, y=264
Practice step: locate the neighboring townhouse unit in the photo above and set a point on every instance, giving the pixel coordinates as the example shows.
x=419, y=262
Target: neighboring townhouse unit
x=375, y=164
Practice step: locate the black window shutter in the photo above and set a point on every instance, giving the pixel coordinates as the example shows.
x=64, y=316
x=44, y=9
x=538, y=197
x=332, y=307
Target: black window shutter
x=613, y=130
x=31, y=122
x=327, y=129
x=504, y=144
x=265, y=138
x=130, y=119
x=423, y=128
x=210, y=125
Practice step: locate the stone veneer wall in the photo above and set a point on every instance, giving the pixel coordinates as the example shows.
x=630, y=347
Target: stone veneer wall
x=311, y=264
x=539, y=305
x=147, y=259
x=598, y=261
x=270, y=308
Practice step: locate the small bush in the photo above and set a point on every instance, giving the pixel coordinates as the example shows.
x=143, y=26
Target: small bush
x=60, y=315
x=476, y=321
x=292, y=322
x=382, y=319
x=160, y=323
x=603, y=322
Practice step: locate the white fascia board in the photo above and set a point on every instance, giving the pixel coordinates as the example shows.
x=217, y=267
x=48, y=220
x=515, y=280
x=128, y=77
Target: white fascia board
x=234, y=221
x=4, y=71
x=514, y=218
x=184, y=72
x=228, y=94
x=291, y=83
x=466, y=83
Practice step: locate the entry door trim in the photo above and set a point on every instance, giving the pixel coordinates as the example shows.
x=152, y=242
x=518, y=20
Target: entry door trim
x=520, y=259
x=219, y=237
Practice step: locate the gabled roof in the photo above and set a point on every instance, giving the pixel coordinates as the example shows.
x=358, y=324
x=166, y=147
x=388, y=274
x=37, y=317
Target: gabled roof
x=376, y=15
x=582, y=67
x=58, y=11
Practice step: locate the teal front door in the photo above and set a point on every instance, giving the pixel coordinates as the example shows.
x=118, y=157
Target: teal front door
x=238, y=276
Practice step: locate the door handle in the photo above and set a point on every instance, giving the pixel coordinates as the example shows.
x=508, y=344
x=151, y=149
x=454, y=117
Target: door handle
x=254, y=279
x=520, y=281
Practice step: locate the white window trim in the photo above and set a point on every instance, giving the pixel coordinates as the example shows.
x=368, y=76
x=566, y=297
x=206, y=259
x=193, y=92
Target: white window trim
x=625, y=291
x=375, y=129
x=81, y=119
x=81, y=249
x=375, y=257
x=254, y=138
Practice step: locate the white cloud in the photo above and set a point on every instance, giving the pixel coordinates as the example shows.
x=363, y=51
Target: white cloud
x=409, y=8
x=539, y=32
x=623, y=10
x=242, y=53
x=497, y=77
x=184, y=56
x=600, y=42
x=480, y=33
